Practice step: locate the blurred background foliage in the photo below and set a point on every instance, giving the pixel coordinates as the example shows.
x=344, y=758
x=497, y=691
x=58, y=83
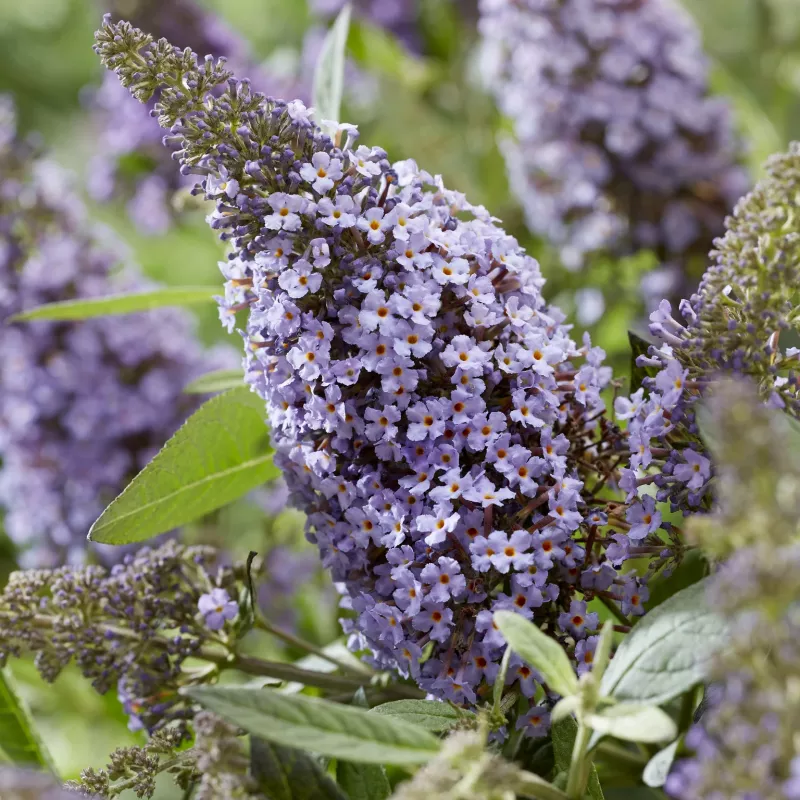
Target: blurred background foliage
x=430, y=107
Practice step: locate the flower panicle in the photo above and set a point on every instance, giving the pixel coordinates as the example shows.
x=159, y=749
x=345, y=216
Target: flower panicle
x=145, y=66
x=745, y=744
x=126, y=134
x=137, y=768
x=431, y=413
x=618, y=144
x=128, y=628
x=739, y=323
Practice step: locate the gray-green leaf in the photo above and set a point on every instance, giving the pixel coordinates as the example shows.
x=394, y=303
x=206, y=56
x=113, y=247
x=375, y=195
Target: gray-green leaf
x=634, y=722
x=218, y=381
x=539, y=650
x=428, y=714
x=283, y=773
x=19, y=741
x=326, y=93
x=669, y=651
x=603, y=650
x=563, y=735
x=119, y=304
x=363, y=781
x=310, y=723
x=658, y=767
x=528, y=784
x=219, y=454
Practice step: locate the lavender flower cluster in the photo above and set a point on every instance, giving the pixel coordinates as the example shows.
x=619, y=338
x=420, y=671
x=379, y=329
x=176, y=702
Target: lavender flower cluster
x=431, y=413
x=745, y=744
x=740, y=321
x=83, y=405
x=129, y=628
x=617, y=144
x=131, y=162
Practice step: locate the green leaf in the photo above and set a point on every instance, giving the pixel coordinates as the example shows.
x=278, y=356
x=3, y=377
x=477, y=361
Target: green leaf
x=528, y=784
x=565, y=707
x=634, y=722
x=283, y=773
x=603, y=650
x=19, y=740
x=500, y=681
x=668, y=651
x=563, y=735
x=219, y=454
x=363, y=781
x=119, y=304
x=326, y=94
x=429, y=714
x=332, y=730
x=218, y=381
x=639, y=347
x=658, y=767
x=539, y=650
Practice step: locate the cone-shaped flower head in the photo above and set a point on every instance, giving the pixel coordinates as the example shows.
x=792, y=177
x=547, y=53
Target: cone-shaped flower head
x=743, y=320
x=617, y=144
x=746, y=743
x=430, y=411
x=130, y=162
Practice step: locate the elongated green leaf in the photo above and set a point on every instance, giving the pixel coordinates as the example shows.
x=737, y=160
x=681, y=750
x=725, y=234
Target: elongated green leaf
x=219, y=454
x=363, y=781
x=658, y=767
x=333, y=730
x=428, y=714
x=528, y=784
x=326, y=93
x=283, y=773
x=500, y=681
x=219, y=381
x=119, y=304
x=669, y=651
x=603, y=650
x=562, y=734
x=634, y=722
x=19, y=741
x=565, y=707
x=539, y=650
